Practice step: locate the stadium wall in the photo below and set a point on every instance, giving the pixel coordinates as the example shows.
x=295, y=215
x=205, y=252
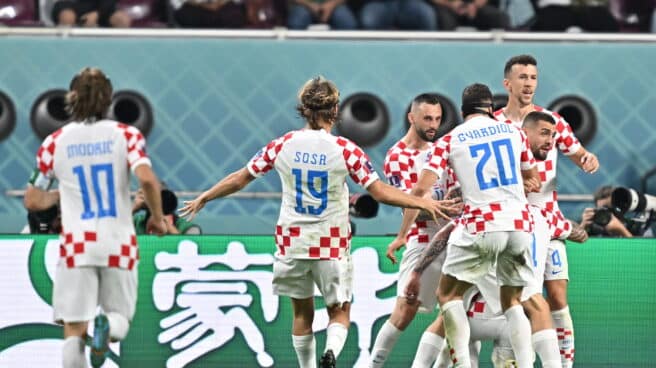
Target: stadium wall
x=218, y=101
x=207, y=301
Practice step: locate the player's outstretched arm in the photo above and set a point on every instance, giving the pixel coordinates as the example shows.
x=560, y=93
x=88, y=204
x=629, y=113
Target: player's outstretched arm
x=586, y=160
x=388, y=194
x=436, y=246
x=226, y=186
x=37, y=199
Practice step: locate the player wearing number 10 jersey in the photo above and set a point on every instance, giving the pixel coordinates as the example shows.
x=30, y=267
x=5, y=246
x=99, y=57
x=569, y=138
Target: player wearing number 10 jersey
x=313, y=232
x=91, y=159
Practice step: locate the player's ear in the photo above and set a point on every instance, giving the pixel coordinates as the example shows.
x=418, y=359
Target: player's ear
x=506, y=84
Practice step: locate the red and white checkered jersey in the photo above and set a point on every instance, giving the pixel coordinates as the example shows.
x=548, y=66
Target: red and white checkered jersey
x=487, y=157
x=402, y=168
x=547, y=198
x=314, y=214
x=92, y=162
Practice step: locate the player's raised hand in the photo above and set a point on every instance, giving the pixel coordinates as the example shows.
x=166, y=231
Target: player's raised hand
x=412, y=288
x=589, y=162
x=532, y=185
x=395, y=245
x=191, y=208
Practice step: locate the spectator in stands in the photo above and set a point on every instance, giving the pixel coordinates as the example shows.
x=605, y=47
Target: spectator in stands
x=481, y=14
x=209, y=13
x=401, y=14
x=634, y=15
x=335, y=13
x=574, y=15
x=89, y=13
x=175, y=224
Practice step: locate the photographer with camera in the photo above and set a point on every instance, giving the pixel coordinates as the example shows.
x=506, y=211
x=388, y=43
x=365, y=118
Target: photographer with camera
x=605, y=219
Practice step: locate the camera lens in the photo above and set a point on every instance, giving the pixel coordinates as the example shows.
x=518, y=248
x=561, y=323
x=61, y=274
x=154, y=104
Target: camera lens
x=602, y=216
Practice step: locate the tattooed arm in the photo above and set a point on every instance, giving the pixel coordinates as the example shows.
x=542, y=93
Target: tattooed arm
x=433, y=249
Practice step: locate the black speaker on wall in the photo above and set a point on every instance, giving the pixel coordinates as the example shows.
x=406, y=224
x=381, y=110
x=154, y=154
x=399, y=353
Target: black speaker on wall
x=580, y=115
x=132, y=108
x=48, y=112
x=363, y=118
x=450, y=115
x=7, y=116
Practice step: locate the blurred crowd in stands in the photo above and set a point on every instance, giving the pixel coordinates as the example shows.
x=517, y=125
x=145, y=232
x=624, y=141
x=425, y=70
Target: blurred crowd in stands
x=420, y=15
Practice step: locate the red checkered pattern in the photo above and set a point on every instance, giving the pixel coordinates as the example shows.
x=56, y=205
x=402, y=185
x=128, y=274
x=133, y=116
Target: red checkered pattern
x=45, y=156
x=128, y=257
x=357, y=163
x=482, y=219
x=333, y=246
x=263, y=161
x=526, y=158
x=283, y=240
x=136, y=143
x=74, y=244
x=438, y=159
x=476, y=308
x=544, y=168
x=565, y=334
x=401, y=167
x=559, y=226
x=419, y=230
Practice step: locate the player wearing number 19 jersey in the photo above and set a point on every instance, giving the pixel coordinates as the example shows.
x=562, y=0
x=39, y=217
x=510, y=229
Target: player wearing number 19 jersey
x=313, y=233
x=91, y=159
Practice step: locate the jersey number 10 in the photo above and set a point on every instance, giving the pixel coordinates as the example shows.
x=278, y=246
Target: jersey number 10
x=507, y=174
x=320, y=194
x=104, y=209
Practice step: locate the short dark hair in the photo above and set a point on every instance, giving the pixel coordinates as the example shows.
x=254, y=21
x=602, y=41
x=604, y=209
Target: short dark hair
x=429, y=98
x=523, y=59
x=603, y=192
x=534, y=116
x=476, y=94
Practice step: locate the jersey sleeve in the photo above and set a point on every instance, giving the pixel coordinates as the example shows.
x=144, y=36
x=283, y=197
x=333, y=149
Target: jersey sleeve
x=357, y=163
x=527, y=161
x=438, y=159
x=265, y=158
x=136, y=146
x=45, y=155
x=397, y=170
x=566, y=141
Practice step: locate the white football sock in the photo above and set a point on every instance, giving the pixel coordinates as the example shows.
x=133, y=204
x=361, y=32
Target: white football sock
x=385, y=341
x=118, y=326
x=73, y=353
x=429, y=347
x=457, y=332
x=520, y=336
x=305, y=347
x=564, y=326
x=545, y=344
x=336, y=334
x=443, y=359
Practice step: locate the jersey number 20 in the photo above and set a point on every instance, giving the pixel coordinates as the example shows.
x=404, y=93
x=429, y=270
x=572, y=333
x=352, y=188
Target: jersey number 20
x=507, y=173
x=320, y=193
x=106, y=202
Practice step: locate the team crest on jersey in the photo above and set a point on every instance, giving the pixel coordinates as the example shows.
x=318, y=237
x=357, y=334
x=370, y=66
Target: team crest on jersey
x=394, y=180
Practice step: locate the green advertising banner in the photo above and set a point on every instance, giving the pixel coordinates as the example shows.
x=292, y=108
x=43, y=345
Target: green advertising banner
x=207, y=301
